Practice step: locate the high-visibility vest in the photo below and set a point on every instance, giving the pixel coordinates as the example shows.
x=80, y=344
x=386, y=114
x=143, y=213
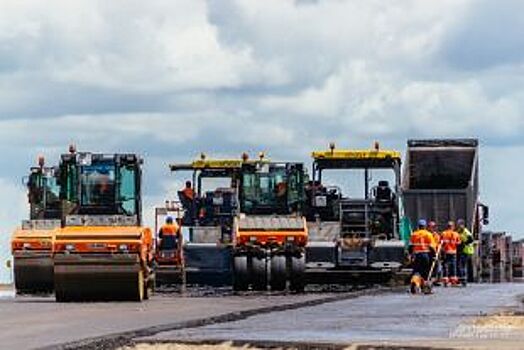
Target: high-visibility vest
x=169, y=230
x=421, y=241
x=188, y=193
x=465, y=235
x=450, y=241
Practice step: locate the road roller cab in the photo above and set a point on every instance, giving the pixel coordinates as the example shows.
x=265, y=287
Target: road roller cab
x=103, y=252
x=31, y=244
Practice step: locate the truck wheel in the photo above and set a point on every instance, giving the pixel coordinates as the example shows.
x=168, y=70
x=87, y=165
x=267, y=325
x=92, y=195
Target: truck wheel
x=259, y=273
x=278, y=275
x=240, y=273
x=297, y=273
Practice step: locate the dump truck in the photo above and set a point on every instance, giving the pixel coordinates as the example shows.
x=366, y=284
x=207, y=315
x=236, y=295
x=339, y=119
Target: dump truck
x=249, y=232
x=354, y=236
x=441, y=182
x=103, y=252
x=31, y=244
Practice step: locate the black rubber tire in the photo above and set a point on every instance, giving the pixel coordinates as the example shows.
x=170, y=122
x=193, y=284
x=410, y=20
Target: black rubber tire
x=61, y=297
x=297, y=278
x=240, y=273
x=140, y=287
x=278, y=277
x=259, y=273
x=149, y=286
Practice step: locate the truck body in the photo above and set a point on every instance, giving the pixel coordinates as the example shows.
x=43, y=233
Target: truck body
x=441, y=182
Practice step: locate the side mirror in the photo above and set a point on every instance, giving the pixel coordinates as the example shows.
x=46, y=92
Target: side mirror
x=485, y=214
x=25, y=181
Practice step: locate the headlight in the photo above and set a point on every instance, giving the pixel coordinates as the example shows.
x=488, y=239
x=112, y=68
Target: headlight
x=70, y=247
x=26, y=245
x=290, y=238
x=123, y=247
x=253, y=239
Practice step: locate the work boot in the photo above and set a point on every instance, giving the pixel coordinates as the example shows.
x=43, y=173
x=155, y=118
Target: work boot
x=427, y=289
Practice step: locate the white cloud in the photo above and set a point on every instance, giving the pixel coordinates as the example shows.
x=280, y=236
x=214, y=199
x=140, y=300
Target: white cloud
x=14, y=202
x=171, y=79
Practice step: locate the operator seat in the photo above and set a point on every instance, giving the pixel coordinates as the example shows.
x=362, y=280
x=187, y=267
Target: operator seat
x=383, y=194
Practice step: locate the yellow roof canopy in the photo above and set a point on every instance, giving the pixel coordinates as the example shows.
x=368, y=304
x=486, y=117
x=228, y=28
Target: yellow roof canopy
x=216, y=164
x=341, y=154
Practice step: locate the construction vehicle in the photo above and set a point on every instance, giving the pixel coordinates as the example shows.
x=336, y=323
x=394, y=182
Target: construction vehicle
x=250, y=232
x=270, y=233
x=31, y=243
x=169, y=261
x=354, y=236
x=102, y=252
x=208, y=219
x=441, y=183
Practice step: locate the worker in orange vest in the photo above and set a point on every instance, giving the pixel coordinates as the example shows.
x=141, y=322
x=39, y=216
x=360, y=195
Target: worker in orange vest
x=169, y=235
x=437, y=271
x=188, y=191
x=188, y=200
x=450, y=243
x=421, y=247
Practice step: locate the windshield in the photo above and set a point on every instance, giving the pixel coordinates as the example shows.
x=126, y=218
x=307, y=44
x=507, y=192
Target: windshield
x=43, y=194
x=97, y=184
x=264, y=190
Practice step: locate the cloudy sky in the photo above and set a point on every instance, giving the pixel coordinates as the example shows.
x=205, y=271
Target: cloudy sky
x=173, y=78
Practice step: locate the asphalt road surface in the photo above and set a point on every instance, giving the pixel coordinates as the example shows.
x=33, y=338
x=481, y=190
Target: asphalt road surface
x=394, y=317
x=40, y=322
x=339, y=318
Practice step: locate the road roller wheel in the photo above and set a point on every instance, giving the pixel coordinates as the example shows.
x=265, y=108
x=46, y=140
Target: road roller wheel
x=240, y=273
x=297, y=273
x=259, y=273
x=139, y=292
x=278, y=275
x=148, y=288
x=61, y=296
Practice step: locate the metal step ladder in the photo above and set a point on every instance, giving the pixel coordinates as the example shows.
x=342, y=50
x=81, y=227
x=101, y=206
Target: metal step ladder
x=354, y=217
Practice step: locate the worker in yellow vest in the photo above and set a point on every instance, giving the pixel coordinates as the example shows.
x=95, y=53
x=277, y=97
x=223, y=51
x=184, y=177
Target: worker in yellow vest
x=466, y=251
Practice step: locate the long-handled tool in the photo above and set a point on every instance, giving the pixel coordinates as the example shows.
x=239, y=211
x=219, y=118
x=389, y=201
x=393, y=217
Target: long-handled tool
x=428, y=286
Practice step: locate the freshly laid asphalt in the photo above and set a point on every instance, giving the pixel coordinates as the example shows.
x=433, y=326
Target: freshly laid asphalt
x=391, y=317
x=368, y=316
x=40, y=322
